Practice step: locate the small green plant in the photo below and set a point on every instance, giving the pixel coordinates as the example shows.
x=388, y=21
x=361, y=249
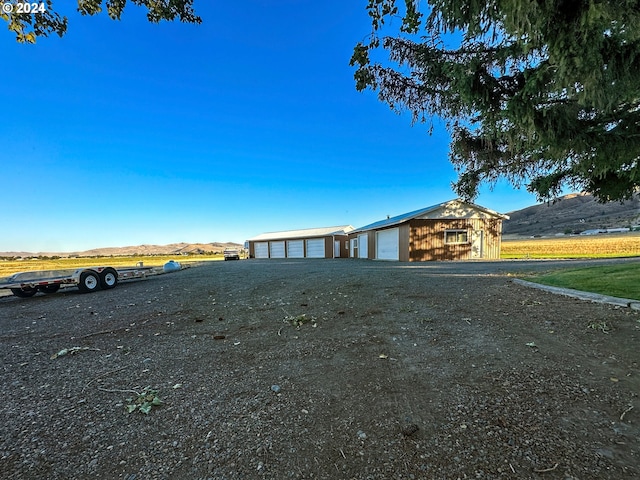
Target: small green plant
x=602, y=326
x=297, y=321
x=144, y=401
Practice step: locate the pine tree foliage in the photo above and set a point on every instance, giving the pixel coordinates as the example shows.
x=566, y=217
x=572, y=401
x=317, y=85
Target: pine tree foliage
x=29, y=26
x=544, y=93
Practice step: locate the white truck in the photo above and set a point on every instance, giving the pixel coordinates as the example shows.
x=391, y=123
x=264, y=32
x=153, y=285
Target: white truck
x=231, y=254
x=87, y=279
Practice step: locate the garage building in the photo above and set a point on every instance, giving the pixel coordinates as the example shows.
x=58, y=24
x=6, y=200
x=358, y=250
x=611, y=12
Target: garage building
x=324, y=242
x=453, y=230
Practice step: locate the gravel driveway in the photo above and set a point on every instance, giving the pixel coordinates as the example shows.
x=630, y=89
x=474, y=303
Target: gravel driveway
x=323, y=369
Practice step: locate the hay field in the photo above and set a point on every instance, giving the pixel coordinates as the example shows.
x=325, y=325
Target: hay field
x=587, y=246
x=9, y=267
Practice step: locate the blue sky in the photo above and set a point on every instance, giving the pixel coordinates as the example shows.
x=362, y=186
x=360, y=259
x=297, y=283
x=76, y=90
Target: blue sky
x=124, y=133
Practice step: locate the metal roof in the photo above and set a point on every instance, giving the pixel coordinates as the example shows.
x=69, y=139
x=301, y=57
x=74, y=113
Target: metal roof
x=304, y=233
x=405, y=217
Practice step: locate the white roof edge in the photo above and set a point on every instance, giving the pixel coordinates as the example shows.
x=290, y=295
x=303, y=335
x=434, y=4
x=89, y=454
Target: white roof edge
x=304, y=233
x=405, y=217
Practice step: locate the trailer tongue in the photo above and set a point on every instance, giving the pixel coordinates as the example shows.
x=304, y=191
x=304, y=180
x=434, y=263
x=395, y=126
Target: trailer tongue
x=87, y=279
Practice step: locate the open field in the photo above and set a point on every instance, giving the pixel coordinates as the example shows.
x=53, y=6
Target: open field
x=9, y=267
x=593, y=246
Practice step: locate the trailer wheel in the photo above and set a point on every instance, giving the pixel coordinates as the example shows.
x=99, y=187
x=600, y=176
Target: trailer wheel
x=108, y=278
x=24, y=292
x=89, y=282
x=53, y=288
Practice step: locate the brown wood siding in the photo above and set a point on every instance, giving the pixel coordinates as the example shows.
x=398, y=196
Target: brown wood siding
x=493, y=238
x=328, y=247
x=371, y=254
x=427, y=239
x=403, y=242
x=344, y=247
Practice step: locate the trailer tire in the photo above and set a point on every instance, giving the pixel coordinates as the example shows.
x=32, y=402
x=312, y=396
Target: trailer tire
x=53, y=288
x=89, y=281
x=24, y=292
x=108, y=278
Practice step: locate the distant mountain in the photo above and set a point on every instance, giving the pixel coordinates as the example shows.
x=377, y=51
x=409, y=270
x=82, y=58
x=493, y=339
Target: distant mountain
x=572, y=213
x=171, y=249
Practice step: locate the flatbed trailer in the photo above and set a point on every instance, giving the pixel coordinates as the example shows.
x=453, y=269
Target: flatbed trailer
x=87, y=279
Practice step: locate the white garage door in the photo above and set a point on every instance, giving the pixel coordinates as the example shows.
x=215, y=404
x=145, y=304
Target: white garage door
x=261, y=250
x=363, y=246
x=315, y=248
x=387, y=244
x=276, y=249
x=295, y=249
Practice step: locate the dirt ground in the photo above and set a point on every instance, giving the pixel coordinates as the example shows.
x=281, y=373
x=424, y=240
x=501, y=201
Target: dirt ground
x=334, y=369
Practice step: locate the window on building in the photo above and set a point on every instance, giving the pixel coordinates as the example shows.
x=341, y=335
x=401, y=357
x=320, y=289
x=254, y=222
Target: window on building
x=456, y=236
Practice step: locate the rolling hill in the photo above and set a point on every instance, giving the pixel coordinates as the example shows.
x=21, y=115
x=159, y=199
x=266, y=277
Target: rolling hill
x=171, y=249
x=575, y=212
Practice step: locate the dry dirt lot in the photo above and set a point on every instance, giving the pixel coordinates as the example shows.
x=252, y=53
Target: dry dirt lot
x=337, y=369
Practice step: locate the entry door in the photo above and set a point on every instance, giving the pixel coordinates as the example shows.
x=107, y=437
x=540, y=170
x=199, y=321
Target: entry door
x=336, y=249
x=477, y=238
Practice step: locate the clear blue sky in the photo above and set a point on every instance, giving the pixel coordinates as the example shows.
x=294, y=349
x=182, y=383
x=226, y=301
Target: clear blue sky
x=123, y=133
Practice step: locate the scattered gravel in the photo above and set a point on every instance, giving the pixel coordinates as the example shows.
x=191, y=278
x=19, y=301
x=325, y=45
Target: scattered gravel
x=320, y=369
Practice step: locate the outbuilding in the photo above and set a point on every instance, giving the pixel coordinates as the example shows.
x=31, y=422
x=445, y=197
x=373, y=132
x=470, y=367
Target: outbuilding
x=453, y=230
x=323, y=242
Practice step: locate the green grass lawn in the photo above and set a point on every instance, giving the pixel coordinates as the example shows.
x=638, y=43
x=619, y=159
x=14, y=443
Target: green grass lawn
x=616, y=280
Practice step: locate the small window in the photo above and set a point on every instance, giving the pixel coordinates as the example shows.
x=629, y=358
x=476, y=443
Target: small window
x=456, y=236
